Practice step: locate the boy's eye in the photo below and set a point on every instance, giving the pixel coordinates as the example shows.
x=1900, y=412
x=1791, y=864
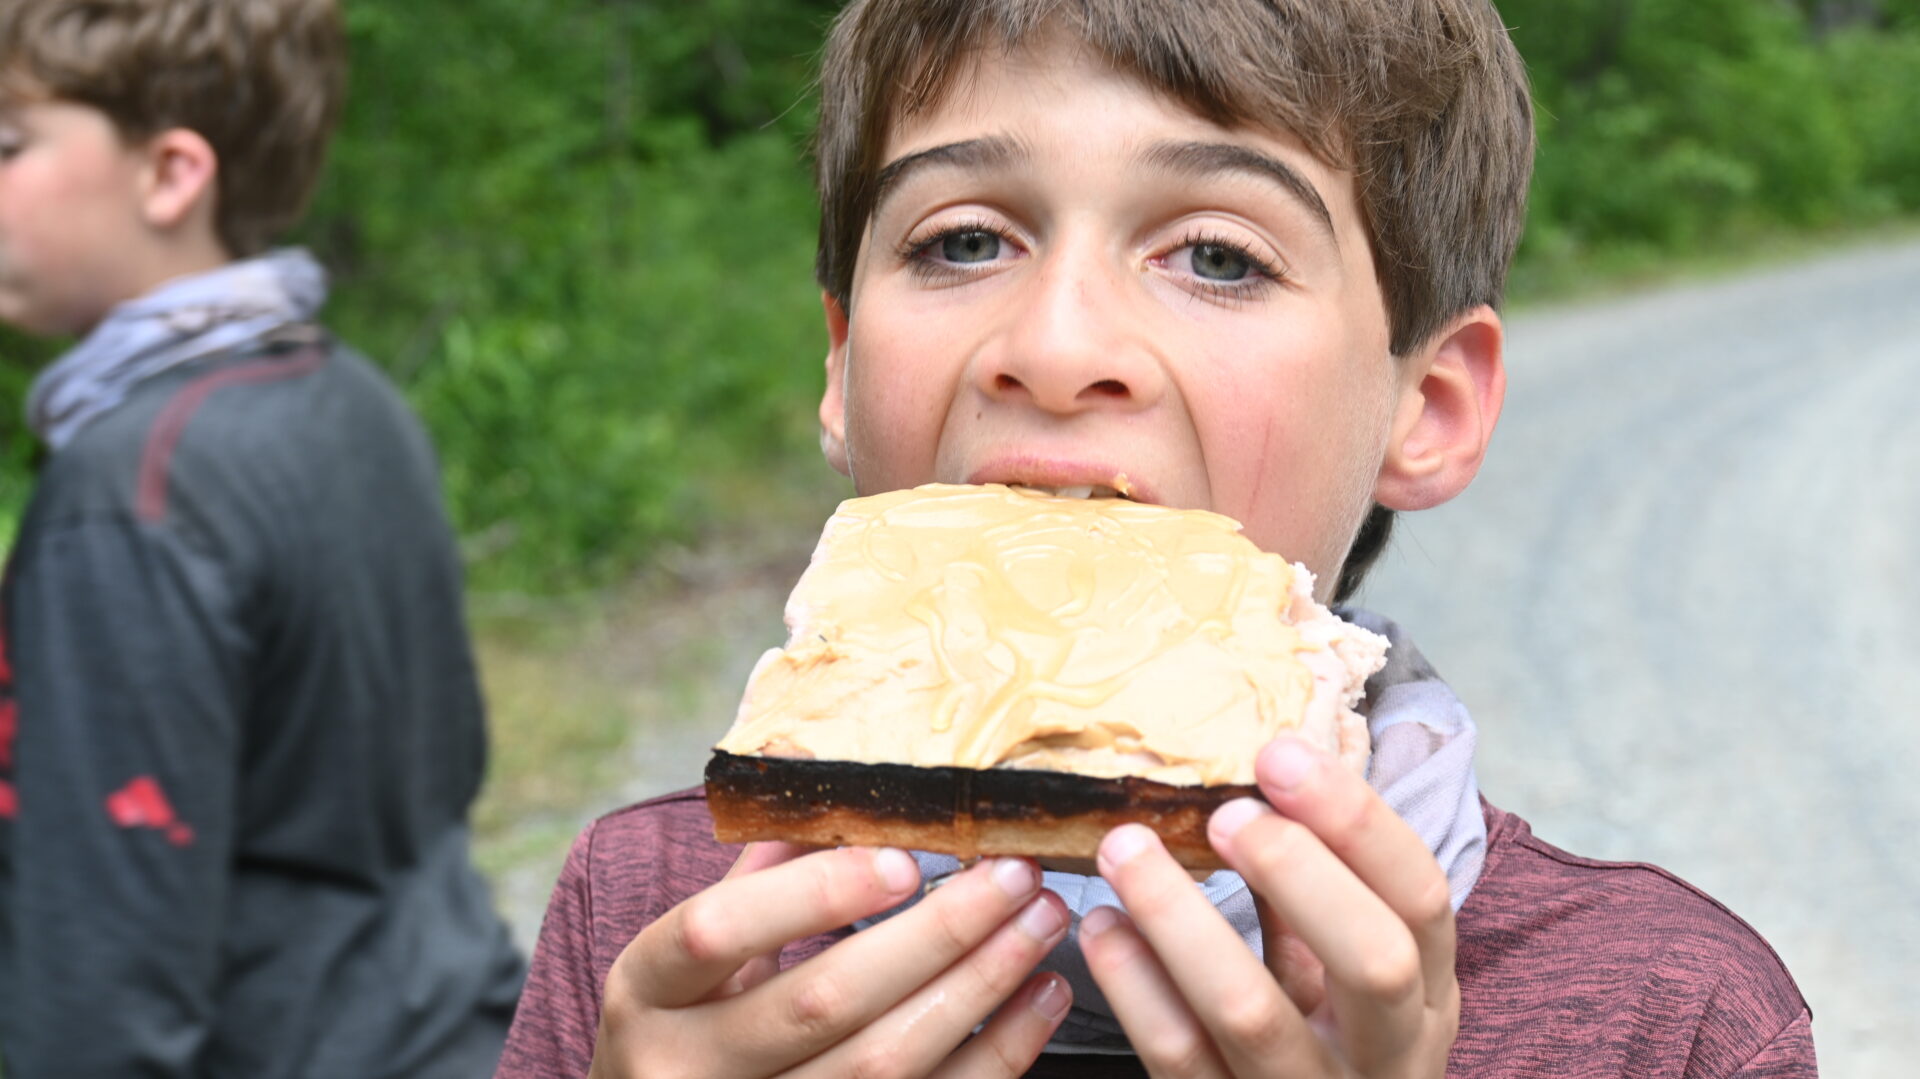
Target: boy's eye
x=1220, y=266
x=958, y=252
x=972, y=246
x=1217, y=263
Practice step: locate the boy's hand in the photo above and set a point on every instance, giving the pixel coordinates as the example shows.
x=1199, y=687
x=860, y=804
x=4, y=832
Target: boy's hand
x=1358, y=977
x=699, y=991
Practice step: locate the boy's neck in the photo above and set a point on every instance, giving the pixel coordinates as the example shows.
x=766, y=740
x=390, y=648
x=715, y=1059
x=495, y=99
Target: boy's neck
x=162, y=266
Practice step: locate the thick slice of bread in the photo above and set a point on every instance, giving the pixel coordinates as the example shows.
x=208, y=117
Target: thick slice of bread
x=993, y=670
x=966, y=812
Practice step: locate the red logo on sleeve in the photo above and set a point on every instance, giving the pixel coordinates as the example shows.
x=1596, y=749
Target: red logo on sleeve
x=142, y=804
x=9, y=727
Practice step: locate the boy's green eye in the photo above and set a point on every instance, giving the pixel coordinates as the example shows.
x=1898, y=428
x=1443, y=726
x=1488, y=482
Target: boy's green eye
x=1217, y=263
x=970, y=247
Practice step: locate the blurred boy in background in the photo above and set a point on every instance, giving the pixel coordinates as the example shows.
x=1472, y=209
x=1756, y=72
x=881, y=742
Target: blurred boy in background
x=240, y=729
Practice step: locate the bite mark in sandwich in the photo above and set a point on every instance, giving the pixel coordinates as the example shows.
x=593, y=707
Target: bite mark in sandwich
x=999, y=670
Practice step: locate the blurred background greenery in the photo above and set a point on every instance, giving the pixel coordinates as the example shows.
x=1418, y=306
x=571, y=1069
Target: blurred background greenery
x=579, y=232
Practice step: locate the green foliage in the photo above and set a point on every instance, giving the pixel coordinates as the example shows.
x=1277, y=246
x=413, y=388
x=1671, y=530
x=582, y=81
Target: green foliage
x=580, y=236
x=1876, y=80
x=19, y=357
x=579, y=233
x=575, y=394
x=1671, y=126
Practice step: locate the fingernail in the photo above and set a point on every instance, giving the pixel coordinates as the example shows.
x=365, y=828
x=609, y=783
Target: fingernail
x=1098, y=921
x=1287, y=764
x=1041, y=920
x=1015, y=877
x=1124, y=843
x=1235, y=815
x=896, y=868
x=1052, y=999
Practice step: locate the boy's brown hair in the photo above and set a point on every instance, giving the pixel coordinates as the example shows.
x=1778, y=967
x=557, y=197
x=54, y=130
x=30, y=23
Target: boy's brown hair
x=260, y=80
x=1424, y=101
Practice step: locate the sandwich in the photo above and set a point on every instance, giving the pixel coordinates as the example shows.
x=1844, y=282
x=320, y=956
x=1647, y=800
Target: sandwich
x=989, y=670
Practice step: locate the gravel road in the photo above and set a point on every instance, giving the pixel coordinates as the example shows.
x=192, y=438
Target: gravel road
x=1683, y=601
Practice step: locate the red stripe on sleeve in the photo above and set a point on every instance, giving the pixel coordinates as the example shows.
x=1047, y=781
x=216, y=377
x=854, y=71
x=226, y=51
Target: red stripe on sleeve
x=151, y=495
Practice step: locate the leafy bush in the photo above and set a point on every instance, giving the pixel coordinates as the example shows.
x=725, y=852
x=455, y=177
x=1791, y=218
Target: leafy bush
x=1876, y=81
x=1671, y=125
x=576, y=396
x=605, y=296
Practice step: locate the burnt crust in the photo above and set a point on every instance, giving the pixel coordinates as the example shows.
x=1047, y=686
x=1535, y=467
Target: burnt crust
x=966, y=812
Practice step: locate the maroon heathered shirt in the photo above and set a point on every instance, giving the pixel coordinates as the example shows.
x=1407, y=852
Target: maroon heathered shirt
x=1568, y=967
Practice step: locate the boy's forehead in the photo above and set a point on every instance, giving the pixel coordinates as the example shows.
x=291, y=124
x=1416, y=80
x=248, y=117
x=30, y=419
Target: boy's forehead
x=1054, y=52
x=964, y=90
x=999, y=109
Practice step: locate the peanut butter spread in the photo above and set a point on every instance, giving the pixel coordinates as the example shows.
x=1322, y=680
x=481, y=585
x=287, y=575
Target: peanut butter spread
x=999, y=626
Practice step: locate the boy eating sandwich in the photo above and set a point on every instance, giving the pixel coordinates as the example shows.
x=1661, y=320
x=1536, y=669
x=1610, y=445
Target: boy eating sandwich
x=1246, y=254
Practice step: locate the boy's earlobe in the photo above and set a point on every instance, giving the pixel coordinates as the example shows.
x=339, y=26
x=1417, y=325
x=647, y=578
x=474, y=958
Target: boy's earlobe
x=833, y=402
x=1450, y=397
x=180, y=179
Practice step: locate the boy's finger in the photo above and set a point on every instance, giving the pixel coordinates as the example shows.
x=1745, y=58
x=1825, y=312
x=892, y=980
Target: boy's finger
x=753, y=972
x=695, y=947
x=1353, y=822
x=1254, y=1025
x=1294, y=966
x=1013, y=1039
x=868, y=975
x=758, y=856
x=918, y=1031
x=1165, y=1033
x=1374, y=970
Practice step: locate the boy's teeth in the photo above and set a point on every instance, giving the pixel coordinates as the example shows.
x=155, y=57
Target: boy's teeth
x=1083, y=490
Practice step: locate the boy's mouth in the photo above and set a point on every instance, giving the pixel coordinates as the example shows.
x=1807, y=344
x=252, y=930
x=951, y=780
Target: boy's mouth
x=1065, y=479
x=1085, y=490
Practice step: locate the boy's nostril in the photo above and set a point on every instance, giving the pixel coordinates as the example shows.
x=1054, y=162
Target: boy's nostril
x=1006, y=382
x=1109, y=387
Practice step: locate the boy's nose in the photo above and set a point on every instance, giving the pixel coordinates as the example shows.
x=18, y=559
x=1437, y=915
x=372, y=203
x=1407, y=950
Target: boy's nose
x=1070, y=345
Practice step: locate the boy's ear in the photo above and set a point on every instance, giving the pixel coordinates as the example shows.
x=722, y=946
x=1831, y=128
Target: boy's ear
x=1451, y=390
x=180, y=179
x=833, y=402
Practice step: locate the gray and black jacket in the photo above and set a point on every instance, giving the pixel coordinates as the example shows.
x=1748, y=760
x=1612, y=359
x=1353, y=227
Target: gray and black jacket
x=240, y=733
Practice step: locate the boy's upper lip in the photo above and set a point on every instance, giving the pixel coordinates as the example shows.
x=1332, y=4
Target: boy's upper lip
x=1037, y=471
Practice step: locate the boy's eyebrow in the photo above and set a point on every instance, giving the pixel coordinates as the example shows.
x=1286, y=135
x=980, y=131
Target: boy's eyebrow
x=1204, y=158
x=991, y=151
